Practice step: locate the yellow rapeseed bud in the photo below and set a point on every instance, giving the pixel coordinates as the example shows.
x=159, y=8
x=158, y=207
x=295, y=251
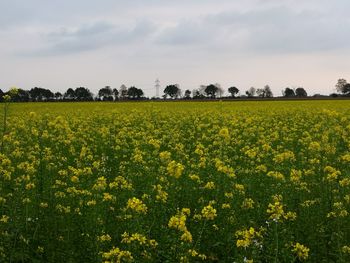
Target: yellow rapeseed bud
x=301, y=251
x=137, y=205
x=209, y=212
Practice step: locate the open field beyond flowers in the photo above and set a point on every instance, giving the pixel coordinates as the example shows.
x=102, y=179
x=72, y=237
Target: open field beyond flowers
x=176, y=182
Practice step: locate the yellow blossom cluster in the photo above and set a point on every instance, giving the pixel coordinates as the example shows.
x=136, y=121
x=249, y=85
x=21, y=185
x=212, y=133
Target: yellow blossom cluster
x=179, y=222
x=105, y=182
x=246, y=237
x=137, y=205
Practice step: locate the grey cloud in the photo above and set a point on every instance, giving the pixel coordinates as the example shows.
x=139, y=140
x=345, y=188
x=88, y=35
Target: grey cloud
x=22, y=12
x=282, y=30
x=278, y=29
x=93, y=36
x=184, y=33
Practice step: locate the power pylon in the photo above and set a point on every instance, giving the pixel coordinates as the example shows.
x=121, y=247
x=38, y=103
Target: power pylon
x=157, y=86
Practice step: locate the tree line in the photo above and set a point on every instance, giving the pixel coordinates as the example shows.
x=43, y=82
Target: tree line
x=172, y=91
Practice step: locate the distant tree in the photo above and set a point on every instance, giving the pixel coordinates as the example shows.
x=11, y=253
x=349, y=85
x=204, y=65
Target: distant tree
x=139, y=93
x=83, y=94
x=105, y=93
x=21, y=96
x=197, y=94
x=1, y=95
x=340, y=86
x=233, y=91
x=211, y=90
x=173, y=91
x=134, y=93
x=58, y=96
x=268, y=91
x=40, y=94
x=187, y=94
x=48, y=94
x=36, y=94
x=265, y=92
x=201, y=90
x=346, y=89
x=69, y=94
x=260, y=93
x=288, y=92
x=123, y=92
x=220, y=90
x=251, y=92
x=300, y=92
x=115, y=94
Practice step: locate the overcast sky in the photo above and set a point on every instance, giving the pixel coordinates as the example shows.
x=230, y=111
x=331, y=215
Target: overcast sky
x=63, y=44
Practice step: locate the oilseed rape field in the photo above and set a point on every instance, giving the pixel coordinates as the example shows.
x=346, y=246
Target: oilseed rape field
x=263, y=181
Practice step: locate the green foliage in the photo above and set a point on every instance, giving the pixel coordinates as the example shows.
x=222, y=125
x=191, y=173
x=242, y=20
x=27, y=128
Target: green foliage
x=172, y=182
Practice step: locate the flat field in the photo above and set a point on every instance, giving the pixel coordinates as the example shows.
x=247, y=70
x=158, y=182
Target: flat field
x=176, y=182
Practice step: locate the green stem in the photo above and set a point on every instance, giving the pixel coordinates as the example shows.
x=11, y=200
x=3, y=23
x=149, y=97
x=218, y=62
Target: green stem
x=4, y=126
x=200, y=234
x=276, y=237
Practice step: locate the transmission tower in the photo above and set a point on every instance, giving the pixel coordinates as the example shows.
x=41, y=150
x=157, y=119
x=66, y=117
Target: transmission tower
x=157, y=86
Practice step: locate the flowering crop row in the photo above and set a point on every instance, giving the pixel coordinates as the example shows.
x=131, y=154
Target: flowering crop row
x=176, y=182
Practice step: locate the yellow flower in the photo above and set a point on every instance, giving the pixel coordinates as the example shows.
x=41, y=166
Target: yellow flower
x=186, y=211
x=210, y=185
x=209, y=213
x=100, y=184
x=118, y=255
x=295, y=176
x=240, y=188
x=40, y=250
x=161, y=194
x=104, y=238
x=186, y=236
x=301, y=251
x=120, y=183
x=332, y=173
x=134, y=237
x=345, y=158
x=314, y=147
x=346, y=249
x=178, y=222
x=175, y=169
x=248, y=203
x=4, y=219
x=283, y=157
x=165, y=156
x=195, y=177
x=108, y=197
x=225, y=206
x=194, y=253
x=338, y=210
x=30, y=186
x=74, y=179
x=224, y=133
x=44, y=205
x=246, y=237
x=276, y=175
x=276, y=210
x=137, y=205
x=91, y=203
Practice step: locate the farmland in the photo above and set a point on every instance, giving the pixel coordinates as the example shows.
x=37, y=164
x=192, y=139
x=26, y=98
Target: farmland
x=176, y=182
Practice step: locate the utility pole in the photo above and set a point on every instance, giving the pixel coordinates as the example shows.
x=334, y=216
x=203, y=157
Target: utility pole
x=157, y=86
